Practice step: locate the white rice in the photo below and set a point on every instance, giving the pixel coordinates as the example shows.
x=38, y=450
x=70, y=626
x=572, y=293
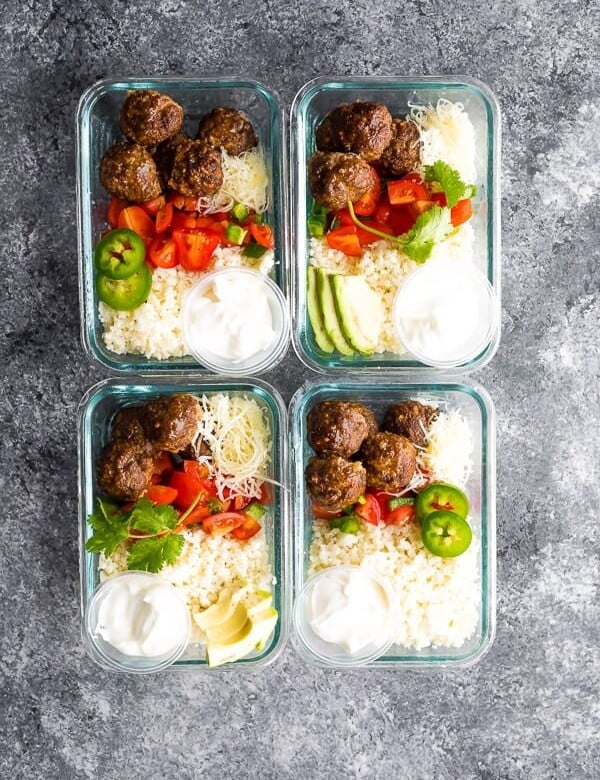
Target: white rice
x=154, y=329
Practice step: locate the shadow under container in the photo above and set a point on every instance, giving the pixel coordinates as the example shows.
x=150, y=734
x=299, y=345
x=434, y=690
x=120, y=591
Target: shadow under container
x=98, y=129
x=476, y=407
x=312, y=103
x=96, y=412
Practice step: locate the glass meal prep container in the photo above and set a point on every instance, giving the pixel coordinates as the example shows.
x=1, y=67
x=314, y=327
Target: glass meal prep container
x=312, y=103
x=98, y=129
x=475, y=407
x=96, y=412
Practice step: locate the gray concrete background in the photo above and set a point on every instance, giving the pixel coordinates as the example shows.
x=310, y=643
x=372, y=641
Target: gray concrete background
x=530, y=708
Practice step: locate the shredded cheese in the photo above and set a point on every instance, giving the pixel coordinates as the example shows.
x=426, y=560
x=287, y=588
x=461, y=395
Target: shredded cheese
x=245, y=180
x=449, y=449
x=236, y=429
x=447, y=134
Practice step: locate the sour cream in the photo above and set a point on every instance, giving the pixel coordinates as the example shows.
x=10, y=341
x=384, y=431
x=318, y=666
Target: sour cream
x=349, y=608
x=444, y=312
x=229, y=317
x=141, y=616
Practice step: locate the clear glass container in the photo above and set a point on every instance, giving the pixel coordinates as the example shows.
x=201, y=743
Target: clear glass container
x=98, y=128
x=476, y=407
x=96, y=411
x=312, y=103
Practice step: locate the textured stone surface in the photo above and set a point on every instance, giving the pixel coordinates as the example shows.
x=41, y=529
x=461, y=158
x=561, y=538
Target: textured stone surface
x=530, y=708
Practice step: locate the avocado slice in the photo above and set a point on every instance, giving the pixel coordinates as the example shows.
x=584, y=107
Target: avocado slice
x=330, y=319
x=314, y=313
x=359, y=312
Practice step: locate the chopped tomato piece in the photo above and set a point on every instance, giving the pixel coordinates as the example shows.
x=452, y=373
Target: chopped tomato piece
x=249, y=528
x=402, y=219
x=164, y=217
x=115, y=207
x=188, y=487
x=345, y=239
x=439, y=198
x=370, y=511
x=384, y=209
x=136, y=219
x=382, y=499
x=161, y=494
x=405, y=191
x=266, y=493
x=343, y=217
x=196, y=470
x=365, y=206
x=365, y=237
x=324, y=514
x=462, y=212
x=419, y=206
x=222, y=523
x=400, y=515
x=183, y=202
x=195, y=249
x=153, y=206
x=263, y=235
x=185, y=220
x=162, y=252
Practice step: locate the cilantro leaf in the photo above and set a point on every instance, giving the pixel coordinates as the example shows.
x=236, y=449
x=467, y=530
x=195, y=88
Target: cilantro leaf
x=152, y=554
x=150, y=519
x=110, y=528
x=431, y=227
x=449, y=179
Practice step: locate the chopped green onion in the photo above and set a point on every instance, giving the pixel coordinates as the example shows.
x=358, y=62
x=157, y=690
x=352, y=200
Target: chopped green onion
x=254, y=250
x=240, y=212
x=255, y=510
x=235, y=233
x=316, y=227
x=397, y=501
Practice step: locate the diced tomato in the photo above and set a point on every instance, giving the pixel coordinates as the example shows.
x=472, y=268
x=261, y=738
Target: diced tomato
x=384, y=209
x=188, y=488
x=115, y=207
x=196, y=470
x=382, y=499
x=462, y=212
x=400, y=515
x=164, y=217
x=420, y=206
x=195, y=249
x=196, y=516
x=153, y=206
x=266, y=493
x=249, y=528
x=186, y=220
x=370, y=511
x=366, y=237
x=161, y=494
x=324, y=514
x=439, y=198
x=345, y=239
x=343, y=217
x=218, y=216
x=241, y=502
x=263, y=235
x=136, y=219
x=162, y=252
x=183, y=202
x=405, y=191
x=365, y=206
x=222, y=523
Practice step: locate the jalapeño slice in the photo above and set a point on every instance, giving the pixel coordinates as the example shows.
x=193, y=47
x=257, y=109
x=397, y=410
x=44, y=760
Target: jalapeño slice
x=441, y=496
x=125, y=294
x=119, y=254
x=445, y=534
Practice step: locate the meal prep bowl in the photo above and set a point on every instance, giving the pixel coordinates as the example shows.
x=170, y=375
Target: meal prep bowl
x=97, y=409
x=312, y=103
x=98, y=128
x=475, y=406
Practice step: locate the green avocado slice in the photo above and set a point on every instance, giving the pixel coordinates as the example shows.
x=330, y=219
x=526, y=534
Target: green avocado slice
x=359, y=310
x=314, y=313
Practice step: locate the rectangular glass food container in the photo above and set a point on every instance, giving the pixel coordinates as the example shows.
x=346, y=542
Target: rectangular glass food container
x=312, y=103
x=96, y=410
x=475, y=405
x=98, y=128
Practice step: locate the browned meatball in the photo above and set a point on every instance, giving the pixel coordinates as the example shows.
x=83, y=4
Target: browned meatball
x=196, y=169
x=336, y=178
x=149, y=118
x=128, y=425
x=171, y=422
x=125, y=468
x=229, y=129
x=165, y=153
x=128, y=171
x=362, y=127
x=403, y=153
x=390, y=461
x=410, y=419
x=339, y=427
x=333, y=482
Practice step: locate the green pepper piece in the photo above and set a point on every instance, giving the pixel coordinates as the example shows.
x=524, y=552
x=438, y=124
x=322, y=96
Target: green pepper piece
x=316, y=227
x=239, y=212
x=446, y=534
x=439, y=496
x=254, y=251
x=397, y=501
x=255, y=510
x=235, y=233
x=119, y=254
x=258, y=219
x=350, y=524
x=125, y=294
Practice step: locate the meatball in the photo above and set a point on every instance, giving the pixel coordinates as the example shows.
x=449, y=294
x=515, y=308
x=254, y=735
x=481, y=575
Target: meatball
x=339, y=427
x=127, y=424
x=196, y=169
x=336, y=178
x=128, y=171
x=149, y=118
x=361, y=127
x=390, y=461
x=165, y=153
x=125, y=468
x=410, y=419
x=228, y=129
x=333, y=482
x=403, y=153
x=171, y=422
